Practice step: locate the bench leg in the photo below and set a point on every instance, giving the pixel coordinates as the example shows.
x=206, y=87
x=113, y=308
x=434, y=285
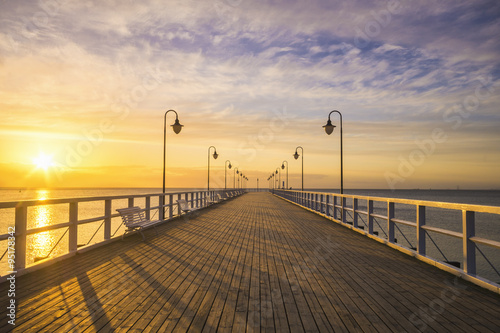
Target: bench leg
x=142, y=234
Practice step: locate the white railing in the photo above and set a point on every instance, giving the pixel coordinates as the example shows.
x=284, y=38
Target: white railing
x=14, y=258
x=346, y=210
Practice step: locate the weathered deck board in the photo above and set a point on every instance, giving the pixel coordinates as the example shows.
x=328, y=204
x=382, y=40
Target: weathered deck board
x=255, y=263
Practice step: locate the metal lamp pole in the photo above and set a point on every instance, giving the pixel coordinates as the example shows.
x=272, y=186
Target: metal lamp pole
x=225, y=173
x=329, y=127
x=177, y=127
x=215, y=155
x=296, y=156
x=283, y=167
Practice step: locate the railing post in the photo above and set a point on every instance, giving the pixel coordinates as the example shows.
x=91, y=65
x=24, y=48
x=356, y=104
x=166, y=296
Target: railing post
x=354, y=212
x=170, y=206
x=343, y=209
x=162, y=207
x=73, y=227
x=107, y=219
x=369, y=208
x=328, y=205
x=322, y=204
x=390, y=224
x=148, y=207
x=469, y=248
x=131, y=202
x=334, y=208
x=20, y=245
x=420, y=230
x=197, y=199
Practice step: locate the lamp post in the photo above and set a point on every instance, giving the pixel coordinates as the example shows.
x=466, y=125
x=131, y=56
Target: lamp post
x=177, y=127
x=236, y=171
x=283, y=167
x=329, y=127
x=225, y=172
x=215, y=155
x=257, y=184
x=296, y=156
x=279, y=174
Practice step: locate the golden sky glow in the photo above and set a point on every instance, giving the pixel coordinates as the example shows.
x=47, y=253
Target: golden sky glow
x=83, y=91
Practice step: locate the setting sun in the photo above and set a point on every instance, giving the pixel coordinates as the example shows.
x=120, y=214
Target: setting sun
x=43, y=161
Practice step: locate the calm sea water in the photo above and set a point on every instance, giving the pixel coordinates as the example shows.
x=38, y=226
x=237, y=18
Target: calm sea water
x=438, y=246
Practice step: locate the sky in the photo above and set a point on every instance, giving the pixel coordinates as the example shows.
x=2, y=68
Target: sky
x=84, y=87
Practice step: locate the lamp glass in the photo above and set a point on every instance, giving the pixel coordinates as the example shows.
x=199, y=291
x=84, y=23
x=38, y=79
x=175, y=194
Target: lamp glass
x=229, y=166
x=329, y=127
x=177, y=127
x=296, y=155
x=215, y=155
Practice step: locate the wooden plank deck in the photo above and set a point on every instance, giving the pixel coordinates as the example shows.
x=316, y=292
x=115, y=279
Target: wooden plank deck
x=255, y=263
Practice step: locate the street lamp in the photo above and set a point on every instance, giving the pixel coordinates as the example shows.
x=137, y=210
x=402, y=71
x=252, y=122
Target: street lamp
x=235, y=172
x=225, y=173
x=177, y=127
x=283, y=167
x=215, y=155
x=296, y=156
x=279, y=182
x=329, y=127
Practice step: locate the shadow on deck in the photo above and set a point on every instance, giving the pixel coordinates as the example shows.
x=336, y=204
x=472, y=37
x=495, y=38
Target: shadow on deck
x=255, y=263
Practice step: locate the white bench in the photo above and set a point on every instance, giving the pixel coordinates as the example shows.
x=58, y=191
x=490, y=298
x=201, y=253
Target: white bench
x=133, y=218
x=184, y=207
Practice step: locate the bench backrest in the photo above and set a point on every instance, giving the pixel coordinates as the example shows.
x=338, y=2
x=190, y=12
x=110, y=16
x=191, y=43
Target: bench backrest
x=132, y=215
x=183, y=205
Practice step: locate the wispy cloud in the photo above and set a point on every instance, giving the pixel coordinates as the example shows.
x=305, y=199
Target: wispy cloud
x=231, y=65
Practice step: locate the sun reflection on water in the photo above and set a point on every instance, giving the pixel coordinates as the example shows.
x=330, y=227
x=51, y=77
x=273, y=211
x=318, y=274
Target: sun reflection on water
x=41, y=243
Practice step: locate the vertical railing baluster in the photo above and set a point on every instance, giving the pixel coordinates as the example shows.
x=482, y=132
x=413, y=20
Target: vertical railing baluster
x=421, y=231
x=334, y=207
x=131, y=202
x=21, y=228
x=328, y=205
x=369, y=209
x=161, y=201
x=355, y=212
x=390, y=223
x=344, y=204
x=469, y=248
x=107, y=219
x=73, y=227
x=148, y=207
x=170, y=205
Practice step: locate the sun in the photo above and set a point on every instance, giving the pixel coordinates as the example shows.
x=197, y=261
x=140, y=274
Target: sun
x=43, y=161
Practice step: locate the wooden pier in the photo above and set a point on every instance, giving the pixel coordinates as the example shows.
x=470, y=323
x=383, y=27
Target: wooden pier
x=253, y=263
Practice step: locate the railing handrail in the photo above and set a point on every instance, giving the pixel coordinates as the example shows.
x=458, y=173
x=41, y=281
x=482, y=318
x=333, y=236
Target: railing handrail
x=194, y=198
x=55, y=201
x=434, y=204
x=328, y=204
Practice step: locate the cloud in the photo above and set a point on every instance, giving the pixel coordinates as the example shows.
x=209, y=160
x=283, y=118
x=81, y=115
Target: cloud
x=228, y=66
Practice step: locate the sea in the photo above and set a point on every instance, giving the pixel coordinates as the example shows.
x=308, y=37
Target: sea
x=441, y=247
